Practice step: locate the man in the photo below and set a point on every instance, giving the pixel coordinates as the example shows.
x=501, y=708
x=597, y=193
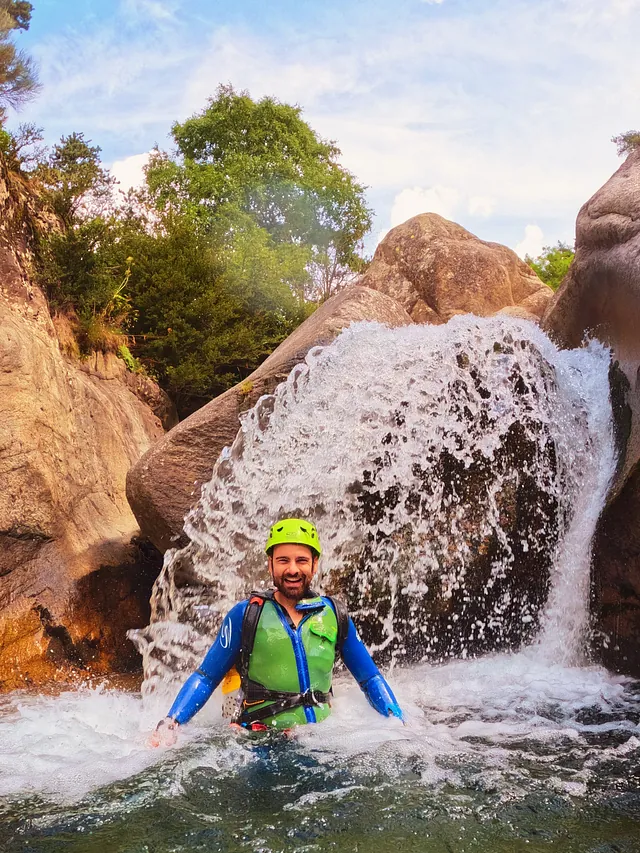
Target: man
x=283, y=644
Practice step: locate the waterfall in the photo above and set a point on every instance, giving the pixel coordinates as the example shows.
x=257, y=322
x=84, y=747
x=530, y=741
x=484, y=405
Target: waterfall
x=455, y=474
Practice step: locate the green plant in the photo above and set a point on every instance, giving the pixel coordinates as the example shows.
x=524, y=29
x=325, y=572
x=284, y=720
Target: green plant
x=95, y=335
x=18, y=80
x=133, y=364
x=552, y=264
x=627, y=142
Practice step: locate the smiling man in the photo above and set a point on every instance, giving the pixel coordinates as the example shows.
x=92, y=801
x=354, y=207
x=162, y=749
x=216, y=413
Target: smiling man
x=279, y=648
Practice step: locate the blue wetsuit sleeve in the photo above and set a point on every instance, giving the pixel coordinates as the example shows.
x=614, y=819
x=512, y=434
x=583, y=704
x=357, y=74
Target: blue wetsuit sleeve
x=222, y=655
x=361, y=666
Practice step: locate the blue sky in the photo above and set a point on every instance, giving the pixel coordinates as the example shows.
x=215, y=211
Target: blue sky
x=495, y=113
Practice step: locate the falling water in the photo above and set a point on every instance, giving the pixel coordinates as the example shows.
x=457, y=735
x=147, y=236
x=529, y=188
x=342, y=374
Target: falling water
x=455, y=474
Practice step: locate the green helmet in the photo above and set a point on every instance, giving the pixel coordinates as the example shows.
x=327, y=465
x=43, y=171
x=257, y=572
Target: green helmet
x=294, y=531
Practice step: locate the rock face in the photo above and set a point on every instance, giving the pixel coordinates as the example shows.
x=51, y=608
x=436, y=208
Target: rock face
x=166, y=482
x=436, y=269
x=71, y=578
x=601, y=296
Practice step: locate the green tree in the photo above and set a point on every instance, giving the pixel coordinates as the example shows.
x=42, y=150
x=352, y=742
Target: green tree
x=18, y=79
x=206, y=309
x=23, y=148
x=76, y=265
x=77, y=185
x=552, y=264
x=263, y=159
x=627, y=142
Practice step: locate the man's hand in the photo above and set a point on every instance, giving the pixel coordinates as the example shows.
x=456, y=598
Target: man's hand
x=394, y=710
x=165, y=733
x=381, y=697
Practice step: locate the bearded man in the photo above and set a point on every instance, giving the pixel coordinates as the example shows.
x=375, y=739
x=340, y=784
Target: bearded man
x=276, y=650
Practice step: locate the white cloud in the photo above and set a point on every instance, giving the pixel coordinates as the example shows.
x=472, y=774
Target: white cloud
x=481, y=205
x=414, y=200
x=501, y=110
x=532, y=243
x=130, y=172
x=160, y=11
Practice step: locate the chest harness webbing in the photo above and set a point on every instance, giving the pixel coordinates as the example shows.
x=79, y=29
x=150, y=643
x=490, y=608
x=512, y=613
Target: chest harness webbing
x=254, y=693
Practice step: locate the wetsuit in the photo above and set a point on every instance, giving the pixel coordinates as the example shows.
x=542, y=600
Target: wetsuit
x=225, y=652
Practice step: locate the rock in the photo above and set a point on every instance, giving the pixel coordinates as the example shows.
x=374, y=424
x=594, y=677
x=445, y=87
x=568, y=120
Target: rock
x=69, y=433
x=166, y=482
x=108, y=366
x=442, y=621
x=437, y=269
x=601, y=297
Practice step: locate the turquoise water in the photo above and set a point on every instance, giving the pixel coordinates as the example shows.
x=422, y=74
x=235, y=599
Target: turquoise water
x=500, y=754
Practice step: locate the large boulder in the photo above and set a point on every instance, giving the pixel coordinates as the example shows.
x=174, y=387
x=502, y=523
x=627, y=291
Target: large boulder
x=166, y=483
x=601, y=297
x=73, y=577
x=436, y=269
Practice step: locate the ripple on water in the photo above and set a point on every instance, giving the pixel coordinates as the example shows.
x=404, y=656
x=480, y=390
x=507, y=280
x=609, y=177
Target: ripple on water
x=497, y=751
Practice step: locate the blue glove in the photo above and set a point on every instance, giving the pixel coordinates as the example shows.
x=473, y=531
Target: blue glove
x=381, y=697
x=194, y=693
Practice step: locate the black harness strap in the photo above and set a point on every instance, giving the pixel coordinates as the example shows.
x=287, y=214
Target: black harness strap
x=255, y=693
x=249, y=628
x=342, y=615
x=279, y=701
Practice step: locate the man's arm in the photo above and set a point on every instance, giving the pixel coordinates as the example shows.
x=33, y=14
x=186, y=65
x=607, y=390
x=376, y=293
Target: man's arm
x=198, y=688
x=361, y=666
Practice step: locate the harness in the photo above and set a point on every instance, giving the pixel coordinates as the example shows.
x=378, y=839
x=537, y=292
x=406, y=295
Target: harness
x=254, y=693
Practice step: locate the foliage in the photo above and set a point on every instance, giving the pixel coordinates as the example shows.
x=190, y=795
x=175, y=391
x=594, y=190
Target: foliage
x=18, y=80
x=627, y=142
x=23, y=148
x=206, y=312
x=79, y=279
x=198, y=277
x=19, y=11
x=76, y=184
x=133, y=364
x=262, y=159
x=552, y=264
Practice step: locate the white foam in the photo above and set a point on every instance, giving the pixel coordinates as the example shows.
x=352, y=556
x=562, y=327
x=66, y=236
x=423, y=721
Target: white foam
x=488, y=713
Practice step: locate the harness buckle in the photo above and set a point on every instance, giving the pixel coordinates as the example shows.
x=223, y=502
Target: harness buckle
x=309, y=698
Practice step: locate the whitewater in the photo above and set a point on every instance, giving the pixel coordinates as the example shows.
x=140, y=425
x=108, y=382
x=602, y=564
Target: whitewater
x=513, y=749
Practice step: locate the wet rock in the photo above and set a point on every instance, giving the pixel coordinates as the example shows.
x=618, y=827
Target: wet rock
x=601, y=297
x=436, y=269
x=166, y=483
x=489, y=579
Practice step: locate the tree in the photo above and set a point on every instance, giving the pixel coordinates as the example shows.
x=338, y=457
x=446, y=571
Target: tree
x=18, y=80
x=264, y=160
x=76, y=267
x=73, y=177
x=627, y=142
x=23, y=148
x=18, y=11
x=552, y=264
x=207, y=309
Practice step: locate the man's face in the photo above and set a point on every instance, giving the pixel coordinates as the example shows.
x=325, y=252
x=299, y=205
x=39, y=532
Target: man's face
x=292, y=569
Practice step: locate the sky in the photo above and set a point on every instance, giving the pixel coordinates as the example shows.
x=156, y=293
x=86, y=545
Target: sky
x=497, y=114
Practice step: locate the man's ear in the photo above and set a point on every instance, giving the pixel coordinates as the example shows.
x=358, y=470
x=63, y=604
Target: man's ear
x=314, y=564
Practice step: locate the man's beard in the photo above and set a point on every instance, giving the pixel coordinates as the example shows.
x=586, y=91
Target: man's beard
x=296, y=593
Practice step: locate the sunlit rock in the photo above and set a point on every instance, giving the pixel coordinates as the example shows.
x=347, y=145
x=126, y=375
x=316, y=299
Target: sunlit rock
x=437, y=269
